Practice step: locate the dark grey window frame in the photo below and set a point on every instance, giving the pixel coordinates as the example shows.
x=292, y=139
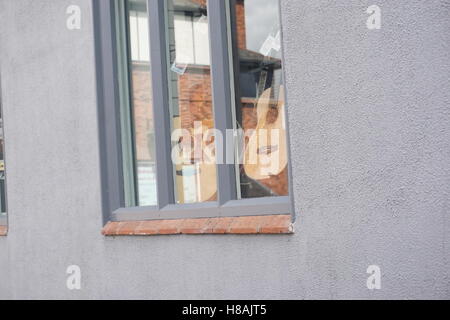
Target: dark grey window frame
x=113, y=200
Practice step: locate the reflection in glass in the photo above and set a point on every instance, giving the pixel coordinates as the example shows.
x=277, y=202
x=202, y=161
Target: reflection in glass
x=191, y=101
x=258, y=88
x=2, y=171
x=134, y=69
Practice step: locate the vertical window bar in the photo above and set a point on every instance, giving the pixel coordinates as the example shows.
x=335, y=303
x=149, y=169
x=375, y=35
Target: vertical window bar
x=157, y=34
x=108, y=97
x=288, y=136
x=221, y=83
x=234, y=78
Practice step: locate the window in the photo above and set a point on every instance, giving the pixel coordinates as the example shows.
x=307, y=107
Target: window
x=192, y=112
x=3, y=220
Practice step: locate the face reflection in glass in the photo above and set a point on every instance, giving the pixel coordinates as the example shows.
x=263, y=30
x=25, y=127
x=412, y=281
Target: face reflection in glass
x=2, y=170
x=191, y=106
x=259, y=91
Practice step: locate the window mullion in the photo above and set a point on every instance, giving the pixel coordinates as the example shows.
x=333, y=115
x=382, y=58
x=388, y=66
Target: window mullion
x=220, y=73
x=158, y=62
x=112, y=181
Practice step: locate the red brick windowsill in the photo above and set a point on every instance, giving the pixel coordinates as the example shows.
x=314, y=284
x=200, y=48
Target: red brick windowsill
x=3, y=231
x=274, y=224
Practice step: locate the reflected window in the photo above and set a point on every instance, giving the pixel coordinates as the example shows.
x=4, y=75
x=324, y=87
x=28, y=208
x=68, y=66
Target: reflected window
x=191, y=108
x=134, y=68
x=2, y=171
x=259, y=98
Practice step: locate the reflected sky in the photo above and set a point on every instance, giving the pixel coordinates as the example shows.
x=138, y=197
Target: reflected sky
x=262, y=18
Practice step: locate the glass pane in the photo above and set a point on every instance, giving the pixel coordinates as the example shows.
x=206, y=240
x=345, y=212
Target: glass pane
x=134, y=69
x=2, y=172
x=259, y=93
x=191, y=109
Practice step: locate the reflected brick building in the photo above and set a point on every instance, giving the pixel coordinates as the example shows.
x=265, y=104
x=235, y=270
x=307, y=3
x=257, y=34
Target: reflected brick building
x=192, y=83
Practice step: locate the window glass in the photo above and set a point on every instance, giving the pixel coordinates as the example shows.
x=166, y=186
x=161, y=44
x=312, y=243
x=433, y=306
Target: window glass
x=134, y=69
x=2, y=172
x=191, y=109
x=259, y=98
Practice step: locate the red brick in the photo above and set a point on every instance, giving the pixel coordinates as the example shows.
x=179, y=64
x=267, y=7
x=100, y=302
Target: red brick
x=128, y=228
x=221, y=225
x=277, y=224
x=245, y=225
x=3, y=231
x=148, y=228
x=109, y=228
x=170, y=226
x=196, y=226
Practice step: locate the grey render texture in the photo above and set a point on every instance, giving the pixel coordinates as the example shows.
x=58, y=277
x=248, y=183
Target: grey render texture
x=369, y=118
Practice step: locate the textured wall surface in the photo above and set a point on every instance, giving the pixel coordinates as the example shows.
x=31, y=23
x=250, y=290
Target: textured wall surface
x=370, y=113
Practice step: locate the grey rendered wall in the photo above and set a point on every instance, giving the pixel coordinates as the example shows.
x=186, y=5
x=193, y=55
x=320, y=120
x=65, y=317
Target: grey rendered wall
x=369, y=116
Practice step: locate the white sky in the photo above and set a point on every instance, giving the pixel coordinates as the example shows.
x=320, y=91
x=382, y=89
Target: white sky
x=262, y=17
